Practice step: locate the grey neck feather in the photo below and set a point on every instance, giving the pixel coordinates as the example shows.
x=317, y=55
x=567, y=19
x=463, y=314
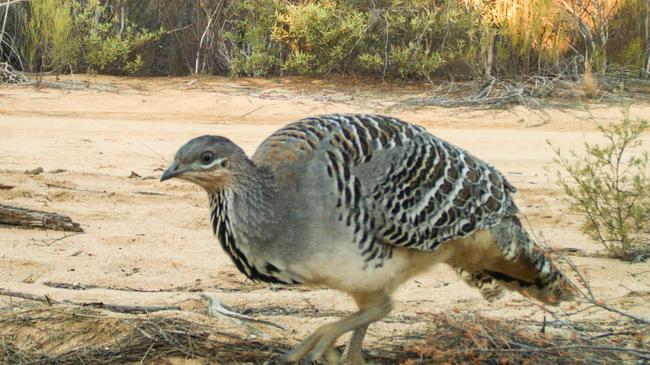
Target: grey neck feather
x=248, y=203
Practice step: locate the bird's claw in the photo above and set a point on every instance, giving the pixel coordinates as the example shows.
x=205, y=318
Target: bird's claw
x=313, y=348
x=307, y=360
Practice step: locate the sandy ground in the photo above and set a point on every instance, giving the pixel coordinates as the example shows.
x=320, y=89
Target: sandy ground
x=149, y=243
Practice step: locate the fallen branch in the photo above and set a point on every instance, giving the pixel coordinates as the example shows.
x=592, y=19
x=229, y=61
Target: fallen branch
x=75, y=189
x=9, y=75
x=79, y=286
x=120, y=308
x=52, y=241
x=37, y=219
x=216, y=309
x=151, y=193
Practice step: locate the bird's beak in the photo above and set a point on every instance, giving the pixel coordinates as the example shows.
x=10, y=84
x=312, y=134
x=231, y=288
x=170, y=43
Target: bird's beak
x=172, y=171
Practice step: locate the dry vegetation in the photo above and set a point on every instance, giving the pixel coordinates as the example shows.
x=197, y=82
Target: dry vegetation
x=69, y=333
x=73, y=333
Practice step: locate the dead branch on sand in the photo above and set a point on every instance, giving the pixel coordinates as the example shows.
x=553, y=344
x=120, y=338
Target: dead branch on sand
x=215, y=307
x=8, y=75
x=37, y=219
x=120, y=308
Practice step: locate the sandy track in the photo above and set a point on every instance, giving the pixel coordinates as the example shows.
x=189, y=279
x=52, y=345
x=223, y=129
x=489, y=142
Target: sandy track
x=144, y=235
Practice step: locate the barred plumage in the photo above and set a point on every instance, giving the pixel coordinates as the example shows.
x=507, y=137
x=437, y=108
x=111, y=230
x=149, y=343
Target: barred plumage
x=424, y=192
x=361, y=203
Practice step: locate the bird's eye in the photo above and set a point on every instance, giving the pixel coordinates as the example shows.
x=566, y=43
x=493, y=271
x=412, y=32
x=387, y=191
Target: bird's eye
x=206, y=157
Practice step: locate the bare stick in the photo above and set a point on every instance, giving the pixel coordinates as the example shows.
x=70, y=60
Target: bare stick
x=587, y=296
x=74, y=188
x=50, y=242
x=559, y=348
x=37, y=219
x=151, y=193
x=9, y=2
x=216, y=309
x=4, y=21
x=121, y=308
x=205, y=32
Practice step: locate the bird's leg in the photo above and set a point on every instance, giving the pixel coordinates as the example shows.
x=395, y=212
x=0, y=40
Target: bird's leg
x=317, y=344
x=352, y=354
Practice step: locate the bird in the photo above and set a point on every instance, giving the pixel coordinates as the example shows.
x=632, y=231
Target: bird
x=360, y=203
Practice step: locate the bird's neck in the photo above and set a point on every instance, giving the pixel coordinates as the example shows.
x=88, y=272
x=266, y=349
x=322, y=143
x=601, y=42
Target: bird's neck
x=243, y=211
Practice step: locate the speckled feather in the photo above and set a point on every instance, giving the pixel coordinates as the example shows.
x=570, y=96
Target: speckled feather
x=397, y=184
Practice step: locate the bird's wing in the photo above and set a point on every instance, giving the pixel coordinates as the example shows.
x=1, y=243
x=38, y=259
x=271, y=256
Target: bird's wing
x=429, y=191
x=396, y=183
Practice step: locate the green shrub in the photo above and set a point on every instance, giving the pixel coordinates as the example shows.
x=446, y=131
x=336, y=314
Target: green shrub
x=65, y=35
x=630, y=54
x=108, y=45
x=247, y=33
x=408, y=39
x=609, y=187
x=371, y=62
x=50, y=43
x=318, y=36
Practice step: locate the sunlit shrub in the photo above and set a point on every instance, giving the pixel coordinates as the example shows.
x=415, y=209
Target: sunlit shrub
x=609, y=187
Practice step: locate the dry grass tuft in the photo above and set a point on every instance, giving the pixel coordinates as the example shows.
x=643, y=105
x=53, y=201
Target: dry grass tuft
x=72, y=334
x=474, y=339
x=64, y=334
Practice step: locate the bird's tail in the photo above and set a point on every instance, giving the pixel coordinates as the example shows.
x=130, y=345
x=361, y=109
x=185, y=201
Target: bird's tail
x=507, y=256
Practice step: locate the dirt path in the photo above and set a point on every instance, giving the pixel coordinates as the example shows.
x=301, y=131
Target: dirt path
x=144, y=235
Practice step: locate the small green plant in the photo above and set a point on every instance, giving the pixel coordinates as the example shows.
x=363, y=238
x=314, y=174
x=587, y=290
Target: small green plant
x=608, y=185
x=320, y=35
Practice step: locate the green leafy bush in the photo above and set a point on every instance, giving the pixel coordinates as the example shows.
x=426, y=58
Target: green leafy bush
x=608, y=185
x=319, y=36
x=247, y=33
x=407, y=39
x=64, y=35
x=50, y=42
x=110, y=44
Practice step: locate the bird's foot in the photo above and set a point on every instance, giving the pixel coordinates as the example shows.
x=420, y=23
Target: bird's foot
x=352, y=358
x=316, y=346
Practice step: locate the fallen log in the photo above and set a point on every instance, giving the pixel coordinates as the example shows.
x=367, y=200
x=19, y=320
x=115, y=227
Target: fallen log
x=36, y=219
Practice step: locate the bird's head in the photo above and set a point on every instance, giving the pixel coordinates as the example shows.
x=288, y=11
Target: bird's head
x=211, y=162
